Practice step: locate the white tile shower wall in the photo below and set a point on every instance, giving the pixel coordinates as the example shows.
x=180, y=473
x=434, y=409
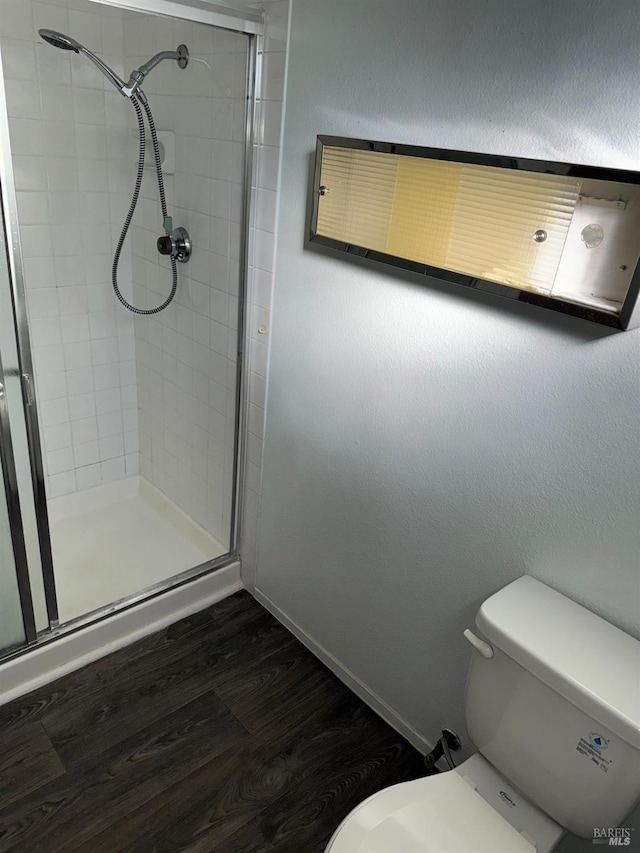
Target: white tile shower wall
x=186, y=356
x=261, y=268
x=72, y=145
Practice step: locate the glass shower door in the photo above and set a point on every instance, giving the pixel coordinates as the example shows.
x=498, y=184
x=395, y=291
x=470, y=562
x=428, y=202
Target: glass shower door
x=17, y=619
x=17, y=623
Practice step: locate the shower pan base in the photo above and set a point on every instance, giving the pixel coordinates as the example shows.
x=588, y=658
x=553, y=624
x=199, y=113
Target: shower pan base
x=116, y=540
x=62, y=654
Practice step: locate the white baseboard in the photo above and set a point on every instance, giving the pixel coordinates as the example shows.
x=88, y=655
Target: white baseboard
x=347, y=677
x=45, y=663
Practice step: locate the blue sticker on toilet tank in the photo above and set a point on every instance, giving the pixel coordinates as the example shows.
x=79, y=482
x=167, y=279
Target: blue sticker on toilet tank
x=598, y=741
x=592, y=748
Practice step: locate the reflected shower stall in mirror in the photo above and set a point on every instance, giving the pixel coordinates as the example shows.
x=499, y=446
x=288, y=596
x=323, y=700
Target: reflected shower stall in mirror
x=127, y=133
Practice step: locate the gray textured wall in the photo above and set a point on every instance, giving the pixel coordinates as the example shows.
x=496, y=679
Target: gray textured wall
x=425, y=445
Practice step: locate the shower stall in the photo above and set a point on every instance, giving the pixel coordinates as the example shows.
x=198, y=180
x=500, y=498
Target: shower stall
x=126, y=141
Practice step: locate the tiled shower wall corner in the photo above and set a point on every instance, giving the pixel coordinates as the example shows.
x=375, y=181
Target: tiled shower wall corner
x=261, y=268
x=186, y=356
x=72, y=142
x=83, y=342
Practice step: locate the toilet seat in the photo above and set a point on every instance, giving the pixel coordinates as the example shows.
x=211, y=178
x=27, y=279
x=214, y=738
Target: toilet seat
x=437, y=814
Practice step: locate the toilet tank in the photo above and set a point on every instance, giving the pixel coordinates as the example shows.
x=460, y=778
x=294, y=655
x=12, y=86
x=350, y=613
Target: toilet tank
x=557, y=708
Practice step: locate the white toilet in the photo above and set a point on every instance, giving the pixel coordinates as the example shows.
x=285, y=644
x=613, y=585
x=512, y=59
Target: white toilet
x=553, y=706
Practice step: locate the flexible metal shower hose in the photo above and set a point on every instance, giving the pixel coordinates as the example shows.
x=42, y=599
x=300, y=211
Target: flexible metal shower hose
x=132, y=208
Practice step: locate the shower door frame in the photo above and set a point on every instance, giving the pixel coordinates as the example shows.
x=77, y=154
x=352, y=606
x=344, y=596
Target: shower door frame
x=14, y=514
x=9, y=213
x=252, y=26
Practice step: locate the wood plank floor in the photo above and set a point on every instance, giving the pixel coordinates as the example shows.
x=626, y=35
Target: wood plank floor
x=219, y=734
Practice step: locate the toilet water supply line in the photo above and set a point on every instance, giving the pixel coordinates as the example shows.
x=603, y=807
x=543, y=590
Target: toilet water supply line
x=448, y=742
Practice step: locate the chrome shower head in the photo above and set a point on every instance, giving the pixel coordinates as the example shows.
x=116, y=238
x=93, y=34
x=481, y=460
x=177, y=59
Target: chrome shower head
x=60, y=40
x=67, y=43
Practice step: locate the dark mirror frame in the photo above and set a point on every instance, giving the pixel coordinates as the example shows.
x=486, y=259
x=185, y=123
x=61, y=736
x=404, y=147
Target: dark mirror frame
x=616, y=321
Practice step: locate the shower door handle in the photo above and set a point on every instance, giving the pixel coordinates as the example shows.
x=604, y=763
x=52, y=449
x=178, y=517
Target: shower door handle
x=27, y=385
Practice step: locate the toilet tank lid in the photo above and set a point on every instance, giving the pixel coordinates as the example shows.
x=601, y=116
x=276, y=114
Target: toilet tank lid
x=589, y=661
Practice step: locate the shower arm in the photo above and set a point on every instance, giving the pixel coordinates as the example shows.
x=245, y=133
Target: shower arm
x=132, y=86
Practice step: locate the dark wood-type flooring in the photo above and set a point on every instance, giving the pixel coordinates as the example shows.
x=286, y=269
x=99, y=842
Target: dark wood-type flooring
x=219, y=733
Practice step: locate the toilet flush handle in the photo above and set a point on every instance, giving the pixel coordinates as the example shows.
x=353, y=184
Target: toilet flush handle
x=484, y=648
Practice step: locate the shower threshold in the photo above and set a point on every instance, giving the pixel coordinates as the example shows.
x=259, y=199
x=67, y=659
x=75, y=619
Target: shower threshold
x=116, y=540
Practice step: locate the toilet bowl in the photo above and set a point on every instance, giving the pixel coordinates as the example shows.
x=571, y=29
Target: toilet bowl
x=466, y=810
x=553, y=708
